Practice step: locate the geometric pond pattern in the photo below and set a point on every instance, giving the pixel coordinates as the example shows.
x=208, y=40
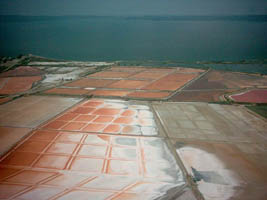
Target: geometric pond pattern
x=106, y=116
x=130, y=82
x=73, y=164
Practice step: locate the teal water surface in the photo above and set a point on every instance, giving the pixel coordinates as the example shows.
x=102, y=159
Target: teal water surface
x=111, y=38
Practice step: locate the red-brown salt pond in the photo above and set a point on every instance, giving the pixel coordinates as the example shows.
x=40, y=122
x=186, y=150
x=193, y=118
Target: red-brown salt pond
x=15, y=85
x=251, y=96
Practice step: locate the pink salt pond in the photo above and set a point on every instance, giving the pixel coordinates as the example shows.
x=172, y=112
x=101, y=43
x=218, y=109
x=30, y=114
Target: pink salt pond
x=252, y=96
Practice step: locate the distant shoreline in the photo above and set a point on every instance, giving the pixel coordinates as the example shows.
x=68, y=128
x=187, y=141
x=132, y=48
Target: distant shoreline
x=242, y=66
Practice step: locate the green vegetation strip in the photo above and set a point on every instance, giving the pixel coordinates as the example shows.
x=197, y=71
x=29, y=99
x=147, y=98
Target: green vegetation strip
x=259, y=109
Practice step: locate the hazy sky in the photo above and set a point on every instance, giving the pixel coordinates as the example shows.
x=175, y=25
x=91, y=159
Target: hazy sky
x=133, y=7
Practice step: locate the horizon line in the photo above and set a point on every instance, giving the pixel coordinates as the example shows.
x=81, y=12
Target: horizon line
x=136, y=15
x=28, y=18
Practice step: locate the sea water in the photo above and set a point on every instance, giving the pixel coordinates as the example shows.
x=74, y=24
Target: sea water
x=129, y=38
